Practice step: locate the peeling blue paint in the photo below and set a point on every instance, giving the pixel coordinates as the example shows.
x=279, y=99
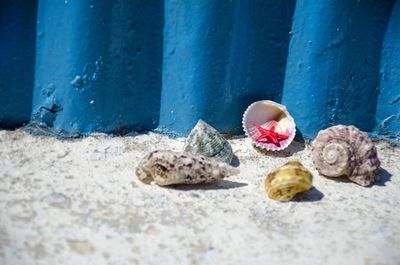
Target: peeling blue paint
x=118, y=66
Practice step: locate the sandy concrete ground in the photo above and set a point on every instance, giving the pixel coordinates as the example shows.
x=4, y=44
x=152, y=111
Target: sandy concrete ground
x=79, y=202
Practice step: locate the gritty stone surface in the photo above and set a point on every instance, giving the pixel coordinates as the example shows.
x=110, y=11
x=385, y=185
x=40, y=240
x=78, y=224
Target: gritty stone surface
x=79, y=202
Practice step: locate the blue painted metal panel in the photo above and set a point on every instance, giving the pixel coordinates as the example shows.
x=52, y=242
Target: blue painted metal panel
x=116, y=66
x=17, y=60
x=388, y=107
x=332, y=74
x=98, y=65
x=219, y=56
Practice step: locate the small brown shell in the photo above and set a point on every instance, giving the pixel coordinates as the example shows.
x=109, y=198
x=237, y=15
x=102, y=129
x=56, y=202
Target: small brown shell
x=168, y=168
x=284, y=182
x=346, y=151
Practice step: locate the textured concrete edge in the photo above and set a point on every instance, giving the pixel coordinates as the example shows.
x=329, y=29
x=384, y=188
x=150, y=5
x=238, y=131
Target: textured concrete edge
x=37, y=130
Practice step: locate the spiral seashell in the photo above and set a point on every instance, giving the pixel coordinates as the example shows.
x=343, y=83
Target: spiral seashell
x=207, y=141
x=284, y=182
x=346, y=151
x=269, y=116
x=168, y=168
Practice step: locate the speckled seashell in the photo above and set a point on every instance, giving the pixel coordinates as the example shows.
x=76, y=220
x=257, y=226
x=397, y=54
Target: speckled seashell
x=284, y=182
x=168, y=168
x=346, y=151
x=267, y=113
x=207, y=141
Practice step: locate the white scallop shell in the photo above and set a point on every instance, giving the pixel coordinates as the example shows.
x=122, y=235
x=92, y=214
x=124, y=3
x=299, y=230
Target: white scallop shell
x=346, y=151
x=267, y=114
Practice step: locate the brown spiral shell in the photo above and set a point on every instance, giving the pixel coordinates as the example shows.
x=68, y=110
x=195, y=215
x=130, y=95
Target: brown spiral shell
x=346, y=151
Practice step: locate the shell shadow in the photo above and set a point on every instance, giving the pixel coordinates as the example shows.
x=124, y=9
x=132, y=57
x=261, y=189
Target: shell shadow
x=233, y=136
x=311, y=195
x=384, y=176
x=295, y=147
x=343, y=179
x=235, y=161
x=221, y=185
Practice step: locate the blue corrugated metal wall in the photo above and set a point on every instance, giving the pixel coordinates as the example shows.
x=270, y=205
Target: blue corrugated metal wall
x=17, y=61
x=115, y=66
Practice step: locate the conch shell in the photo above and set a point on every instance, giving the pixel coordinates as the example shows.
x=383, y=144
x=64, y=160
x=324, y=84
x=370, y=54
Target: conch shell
x=207, y=141
x=346, y=151
x=273, y=117
x=168, y=168
x=283, y=183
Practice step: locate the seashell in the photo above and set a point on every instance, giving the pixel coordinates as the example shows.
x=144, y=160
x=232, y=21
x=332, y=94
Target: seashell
x=284, y=182
x=168, y=168
x=346, y=151
x=273, y=117
x=207, y=141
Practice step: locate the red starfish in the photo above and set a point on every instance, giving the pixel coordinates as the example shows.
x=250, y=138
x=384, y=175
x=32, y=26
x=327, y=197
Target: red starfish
x=270, y=135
